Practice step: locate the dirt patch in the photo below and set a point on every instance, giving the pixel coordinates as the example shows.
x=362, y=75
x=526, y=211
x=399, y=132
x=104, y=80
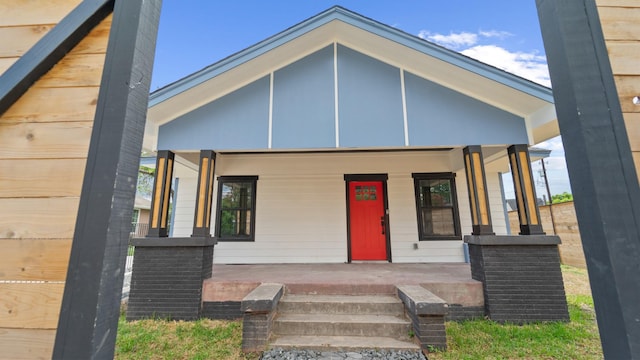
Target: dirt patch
x=576, y=281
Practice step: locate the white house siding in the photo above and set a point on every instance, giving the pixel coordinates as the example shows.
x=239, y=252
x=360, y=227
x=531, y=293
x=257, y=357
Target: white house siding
x=185, y=204
x=301, y=206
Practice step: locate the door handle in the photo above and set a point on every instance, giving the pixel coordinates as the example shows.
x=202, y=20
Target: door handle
x=382, y=224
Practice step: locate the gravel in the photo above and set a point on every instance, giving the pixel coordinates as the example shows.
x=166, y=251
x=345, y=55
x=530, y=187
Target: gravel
x=298, y=354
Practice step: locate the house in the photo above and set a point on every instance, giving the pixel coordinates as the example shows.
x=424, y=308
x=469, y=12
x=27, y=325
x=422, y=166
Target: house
x=341, y=139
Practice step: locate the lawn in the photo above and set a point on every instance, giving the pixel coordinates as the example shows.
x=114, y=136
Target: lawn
x=479, y=339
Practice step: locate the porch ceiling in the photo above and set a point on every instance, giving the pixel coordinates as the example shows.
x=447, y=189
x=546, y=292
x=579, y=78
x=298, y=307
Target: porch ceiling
x=505, y=91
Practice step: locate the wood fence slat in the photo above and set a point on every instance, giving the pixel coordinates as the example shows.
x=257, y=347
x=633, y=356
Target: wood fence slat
x=6, y=63
x=628, y=87
x=619, y=23
x=41, y=178
x=34, y=12
x=632, y=124
x=53, y=105
x=35, y=259
x=39, y=218
x=16, y=40
x=624, y=57
x=26, y=344
x=30, y=305
x=96, y=41
x=74, y=71
x=617, y=3
x=45, y=140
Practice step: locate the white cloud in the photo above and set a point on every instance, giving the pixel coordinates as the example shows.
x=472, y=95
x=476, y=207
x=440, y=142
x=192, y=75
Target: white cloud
x=495, y=34
x=527, y=65
x=482, y=46
x=453, y=40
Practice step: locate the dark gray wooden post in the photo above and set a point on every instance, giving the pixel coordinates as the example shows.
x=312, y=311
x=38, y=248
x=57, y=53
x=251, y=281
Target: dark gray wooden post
x=91, y=304
x=603, y=176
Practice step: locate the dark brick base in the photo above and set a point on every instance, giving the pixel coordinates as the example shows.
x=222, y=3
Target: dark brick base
x=461, y=313
x=166, y=281
x=222, y=310
x=522, y=282
x=256, y=329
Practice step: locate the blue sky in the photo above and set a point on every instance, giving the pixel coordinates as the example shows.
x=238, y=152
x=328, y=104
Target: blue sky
x=504, y=33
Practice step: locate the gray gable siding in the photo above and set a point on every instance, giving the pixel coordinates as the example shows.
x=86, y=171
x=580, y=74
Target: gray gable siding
x=304, y=103
x=239, y=120
x=437, y=115
x=369, y=101
x=370, y=111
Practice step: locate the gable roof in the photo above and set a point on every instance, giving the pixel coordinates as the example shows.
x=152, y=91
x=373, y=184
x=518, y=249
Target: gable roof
x=451, y=69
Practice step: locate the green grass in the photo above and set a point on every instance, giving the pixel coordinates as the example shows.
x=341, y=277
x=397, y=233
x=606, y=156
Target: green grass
x=164, y=339
x=478, y=339
x=483, y=339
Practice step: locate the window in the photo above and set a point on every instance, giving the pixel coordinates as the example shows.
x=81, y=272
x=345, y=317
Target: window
x=436, y=204
x=236, y=209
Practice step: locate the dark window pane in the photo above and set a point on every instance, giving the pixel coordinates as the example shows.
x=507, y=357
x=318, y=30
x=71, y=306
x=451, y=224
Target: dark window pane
x=234, y=223
x=436, y=192
x=236, y=195
x=437, y=222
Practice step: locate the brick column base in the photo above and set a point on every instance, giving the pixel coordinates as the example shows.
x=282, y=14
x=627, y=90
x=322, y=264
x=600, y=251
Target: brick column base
x=167, y=277
x=521, y=277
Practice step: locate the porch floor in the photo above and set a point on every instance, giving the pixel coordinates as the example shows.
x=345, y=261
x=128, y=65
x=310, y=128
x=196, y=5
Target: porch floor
x=450, y=281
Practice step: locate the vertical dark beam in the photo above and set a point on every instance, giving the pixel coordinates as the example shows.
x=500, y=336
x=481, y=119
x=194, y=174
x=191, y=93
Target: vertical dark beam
x=601, y=169
x=159, y=214
x=91, y=304
x=478, y=194
x=525, y=189
x=204, y=197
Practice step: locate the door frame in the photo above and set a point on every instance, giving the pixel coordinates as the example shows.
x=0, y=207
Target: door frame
x=368, y=177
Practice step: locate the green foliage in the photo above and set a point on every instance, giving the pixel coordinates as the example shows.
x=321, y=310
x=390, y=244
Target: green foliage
x=561, y=198
x=145, y=181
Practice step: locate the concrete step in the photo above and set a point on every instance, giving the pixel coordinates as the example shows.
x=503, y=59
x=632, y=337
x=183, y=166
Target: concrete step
x=341, y=325
x=341, y=289
x=341, y=304
x=343, y=343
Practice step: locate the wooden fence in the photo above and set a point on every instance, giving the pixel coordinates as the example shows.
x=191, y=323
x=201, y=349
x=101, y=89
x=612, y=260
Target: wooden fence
x=45, y=138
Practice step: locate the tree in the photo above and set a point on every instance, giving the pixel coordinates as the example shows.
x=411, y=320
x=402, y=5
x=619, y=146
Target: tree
x=560, y=198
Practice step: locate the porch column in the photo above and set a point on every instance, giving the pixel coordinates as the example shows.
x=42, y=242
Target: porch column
x=158, y=218
x=204, y=198
x=477, y=185
x=526, y=200
x=521, y=276
x=168, y=272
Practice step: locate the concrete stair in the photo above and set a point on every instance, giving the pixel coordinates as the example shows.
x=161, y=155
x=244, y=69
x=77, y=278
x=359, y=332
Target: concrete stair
x=342, y=322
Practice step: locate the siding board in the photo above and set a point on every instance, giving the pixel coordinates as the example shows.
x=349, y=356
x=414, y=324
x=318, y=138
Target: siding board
x=34, y=12
x=30, y=305
x=40, y=218
x=45, y=141
x=620, y=23
x=75, y=71
x=41, y=178
x=51, y=105
x=35, y=259
x=17, y=40
x=26, y=344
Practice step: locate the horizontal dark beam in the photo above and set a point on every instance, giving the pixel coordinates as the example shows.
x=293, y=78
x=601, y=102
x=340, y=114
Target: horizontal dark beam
x=36, y=62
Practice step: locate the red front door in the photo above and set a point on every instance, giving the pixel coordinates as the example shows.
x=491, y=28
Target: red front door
x=367, y=221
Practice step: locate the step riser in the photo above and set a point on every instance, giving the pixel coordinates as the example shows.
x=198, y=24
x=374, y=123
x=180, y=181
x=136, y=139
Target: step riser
x=285, y=307
x=341, y=329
